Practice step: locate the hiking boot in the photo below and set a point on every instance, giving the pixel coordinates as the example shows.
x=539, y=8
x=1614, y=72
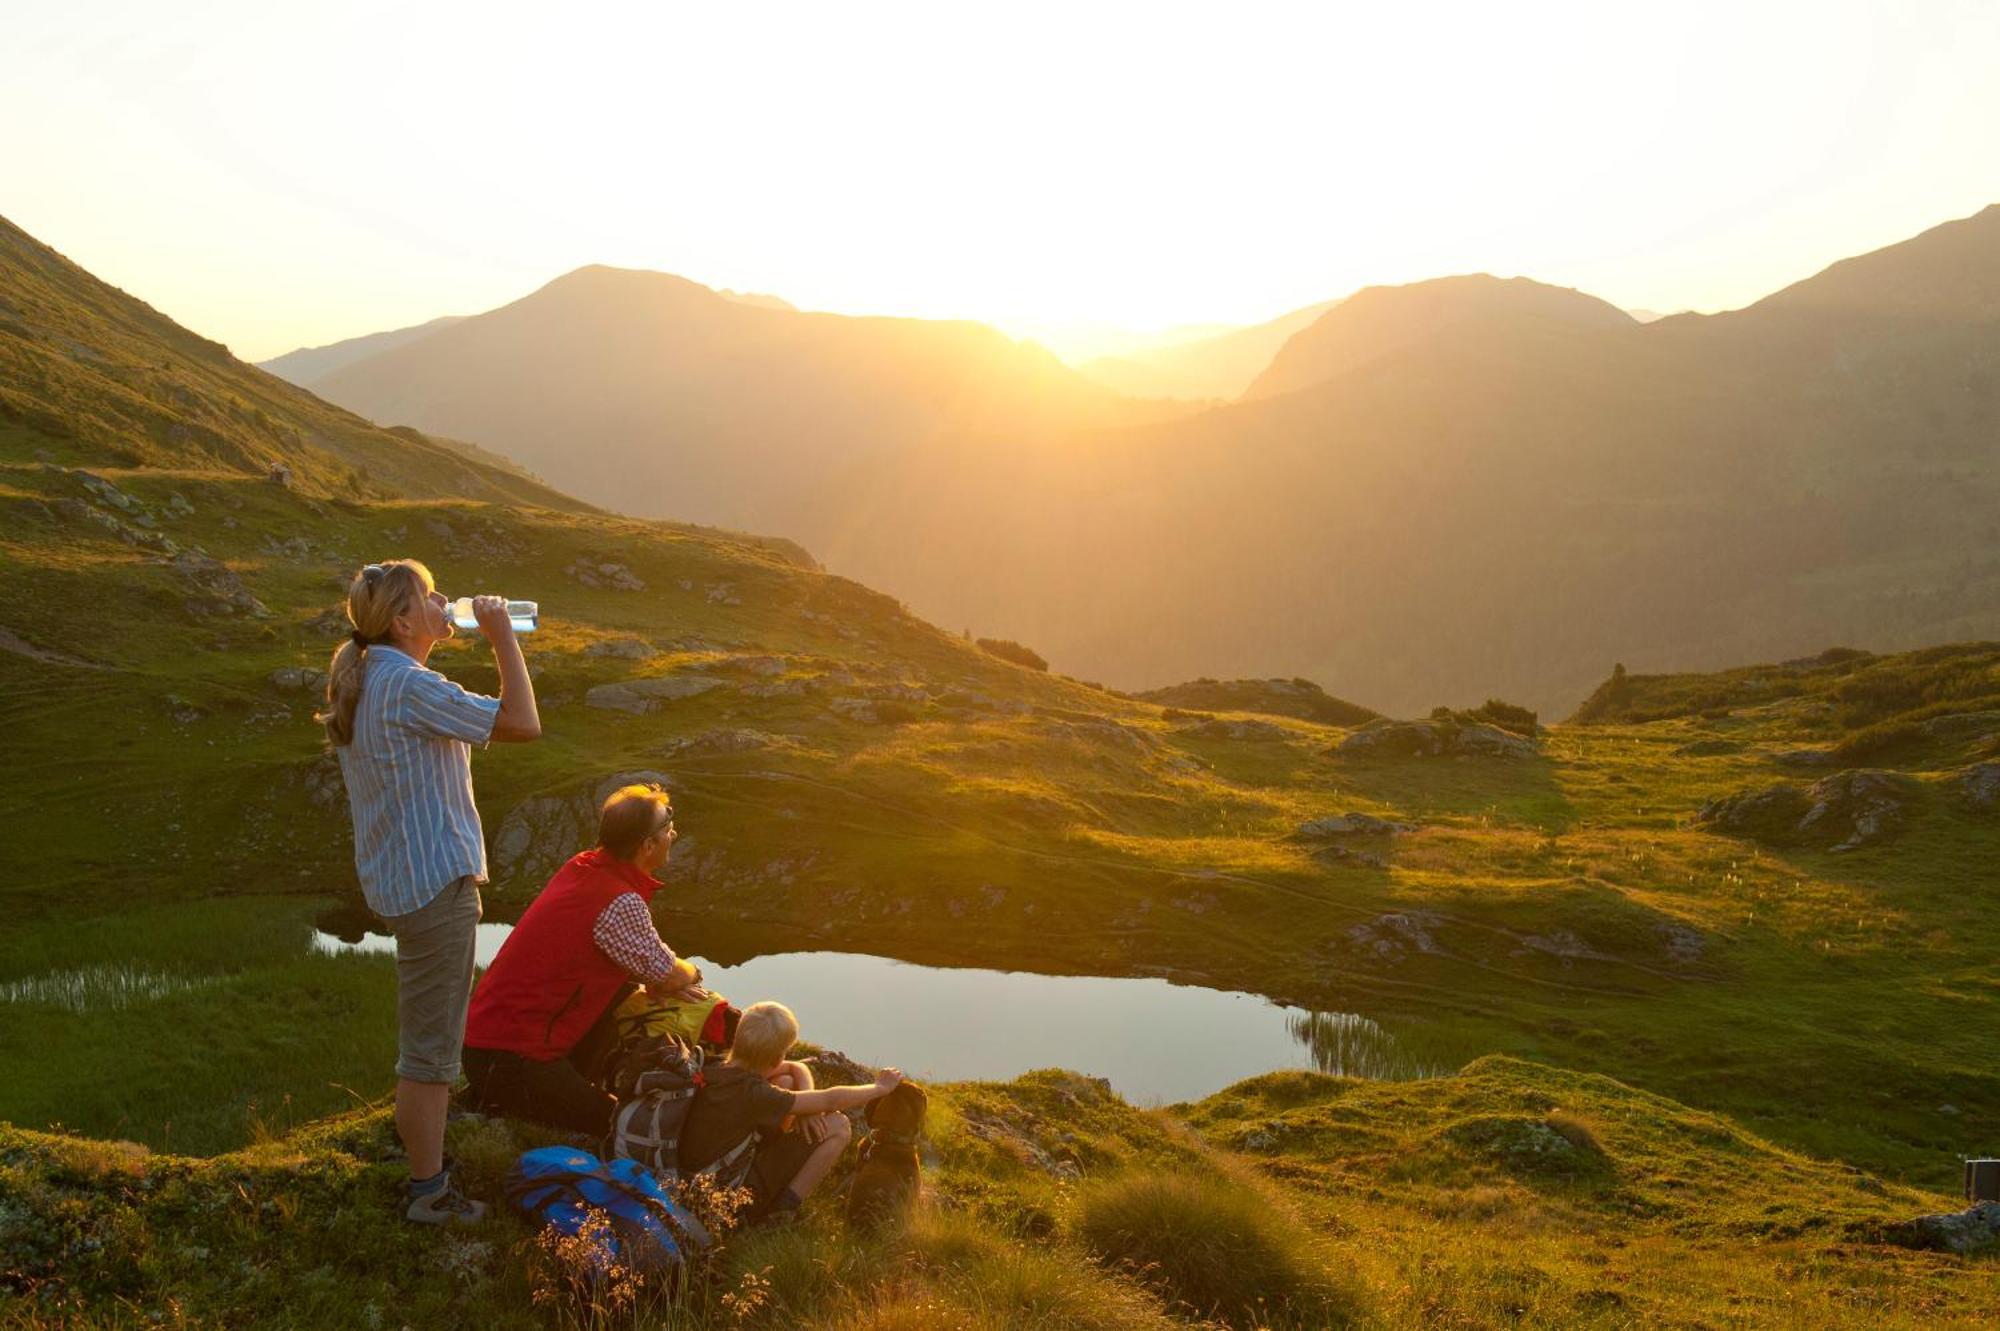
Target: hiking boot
x=445, y=1205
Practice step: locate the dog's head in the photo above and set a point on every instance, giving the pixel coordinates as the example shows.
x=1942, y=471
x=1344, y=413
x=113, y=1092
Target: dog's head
x=901, y=1111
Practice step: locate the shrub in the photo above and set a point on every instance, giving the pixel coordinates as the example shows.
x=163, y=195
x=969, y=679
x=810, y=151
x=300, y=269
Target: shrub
x=1493, y=712
x=1007, y=650
x=1213, y=1245
x=1506, y=716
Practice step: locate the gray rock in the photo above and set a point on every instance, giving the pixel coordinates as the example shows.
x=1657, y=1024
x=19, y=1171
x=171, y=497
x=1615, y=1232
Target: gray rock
x=605, y=574
x=1490, y=741
x=219, y=590
x=1953, y=1231
x=720, y=741
x=1392, y=936
x=1848, y=810
x=1980, y=785
x=76, y=510
x=638, y=697
x=1958, y=725
x=325, y=790
x=1682, y=944
x=298, y=679
x=1562, y=944
x=862, y=710
x=1867, y=806
x=1436, y=738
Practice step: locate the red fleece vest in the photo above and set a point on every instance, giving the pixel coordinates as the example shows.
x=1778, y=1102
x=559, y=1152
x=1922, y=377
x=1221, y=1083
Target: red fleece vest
x=550, y=983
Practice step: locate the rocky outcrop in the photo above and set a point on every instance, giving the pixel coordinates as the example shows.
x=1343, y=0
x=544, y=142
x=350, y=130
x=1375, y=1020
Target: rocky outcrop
x=324, y=788
x=298, y=679
x=638, y=697
x=710, y=742
x=621, y=649
x=1845, y=811
x=1979, y=785
x=605, y=574
x=217, y=590
x=1435, y=738
x=537, y=835
x=1969, y=1230
x=1394, y=935
x=873, y=711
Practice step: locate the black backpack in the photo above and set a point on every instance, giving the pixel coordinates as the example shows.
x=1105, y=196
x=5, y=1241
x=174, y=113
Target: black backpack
x=654, y=1080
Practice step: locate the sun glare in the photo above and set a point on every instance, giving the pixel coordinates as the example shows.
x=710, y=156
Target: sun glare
x=1070, y=173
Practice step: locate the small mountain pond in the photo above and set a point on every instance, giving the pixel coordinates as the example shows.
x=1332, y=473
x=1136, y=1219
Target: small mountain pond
x=1155, y=1041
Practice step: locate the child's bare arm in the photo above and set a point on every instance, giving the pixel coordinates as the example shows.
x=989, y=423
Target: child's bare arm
x=837, y=1099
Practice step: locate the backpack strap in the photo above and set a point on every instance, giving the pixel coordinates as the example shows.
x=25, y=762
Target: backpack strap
x=734, y=1165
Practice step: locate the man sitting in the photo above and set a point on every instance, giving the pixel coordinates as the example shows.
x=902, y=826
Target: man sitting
x=569, y=961
x=750, y=1102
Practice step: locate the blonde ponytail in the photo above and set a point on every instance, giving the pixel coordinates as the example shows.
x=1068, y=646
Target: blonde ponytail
x=375, y=597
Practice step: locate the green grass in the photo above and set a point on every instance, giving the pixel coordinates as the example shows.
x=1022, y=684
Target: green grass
x=1051, y=1205
x=163, y=859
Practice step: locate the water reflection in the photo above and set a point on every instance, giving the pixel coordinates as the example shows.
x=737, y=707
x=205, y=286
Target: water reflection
x=1348, y=1044
x=1156, y=1042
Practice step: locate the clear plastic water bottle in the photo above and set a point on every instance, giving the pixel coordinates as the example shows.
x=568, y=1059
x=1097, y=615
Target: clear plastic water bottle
x=525, y=614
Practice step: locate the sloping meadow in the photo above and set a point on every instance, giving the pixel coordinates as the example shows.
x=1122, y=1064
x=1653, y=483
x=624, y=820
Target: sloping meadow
x=1509, y=1195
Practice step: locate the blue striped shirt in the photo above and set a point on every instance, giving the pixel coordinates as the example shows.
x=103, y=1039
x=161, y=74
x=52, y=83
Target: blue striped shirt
x=408, y=771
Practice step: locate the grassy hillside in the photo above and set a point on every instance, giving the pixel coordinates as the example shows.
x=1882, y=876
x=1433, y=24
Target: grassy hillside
x=1511, y=1195
x=856, y=778
x=90, y=376
x=1621, y=895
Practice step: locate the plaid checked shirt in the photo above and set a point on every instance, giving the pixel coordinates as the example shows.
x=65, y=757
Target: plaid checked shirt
x=624, y=932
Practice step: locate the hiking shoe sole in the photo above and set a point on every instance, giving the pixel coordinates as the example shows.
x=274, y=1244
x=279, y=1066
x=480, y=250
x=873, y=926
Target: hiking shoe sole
x=446, y=1206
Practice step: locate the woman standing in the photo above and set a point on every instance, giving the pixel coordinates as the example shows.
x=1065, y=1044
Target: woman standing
x=404, y=733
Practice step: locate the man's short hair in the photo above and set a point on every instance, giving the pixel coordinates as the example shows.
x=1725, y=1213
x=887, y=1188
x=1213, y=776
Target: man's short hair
x=764, y=1035
x=629, y=816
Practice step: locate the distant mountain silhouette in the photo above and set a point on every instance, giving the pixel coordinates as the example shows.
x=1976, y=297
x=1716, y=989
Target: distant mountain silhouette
x=1434, y=493
x=1482, y=497
x=1215, y=367
x=1378, y=321
x=307, y=364
x=663, y=397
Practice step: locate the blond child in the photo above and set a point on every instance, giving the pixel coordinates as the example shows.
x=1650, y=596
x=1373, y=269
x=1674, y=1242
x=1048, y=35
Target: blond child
x=800, y=1130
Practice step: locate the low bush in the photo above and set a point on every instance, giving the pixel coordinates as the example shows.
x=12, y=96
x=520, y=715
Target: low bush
x=1008, y=650
x=1214, y=1246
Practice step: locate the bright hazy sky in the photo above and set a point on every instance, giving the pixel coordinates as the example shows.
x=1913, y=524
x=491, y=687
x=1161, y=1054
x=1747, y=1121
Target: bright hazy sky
x=275, y=174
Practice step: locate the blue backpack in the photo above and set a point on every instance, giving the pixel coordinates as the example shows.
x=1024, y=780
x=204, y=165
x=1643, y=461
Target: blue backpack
x=651, y=1233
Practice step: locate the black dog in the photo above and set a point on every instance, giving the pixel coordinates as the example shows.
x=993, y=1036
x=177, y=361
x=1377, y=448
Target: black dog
x=886, y=1181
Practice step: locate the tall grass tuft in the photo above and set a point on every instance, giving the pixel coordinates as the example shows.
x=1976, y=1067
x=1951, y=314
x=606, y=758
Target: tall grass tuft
x=1213, y=1246
x=99, y=988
